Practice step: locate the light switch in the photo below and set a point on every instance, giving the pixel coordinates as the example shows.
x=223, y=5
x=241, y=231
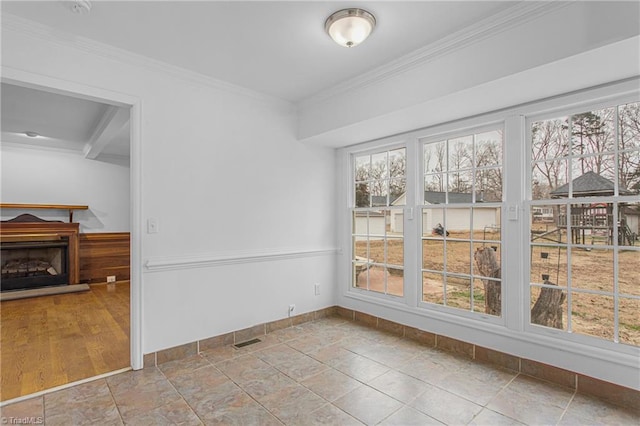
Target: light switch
x=512, y=212
x=152, y=225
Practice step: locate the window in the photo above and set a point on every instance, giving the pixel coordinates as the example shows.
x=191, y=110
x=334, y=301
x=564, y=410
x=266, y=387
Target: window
x=378, y=222
x=461, y=210
x=584, y=251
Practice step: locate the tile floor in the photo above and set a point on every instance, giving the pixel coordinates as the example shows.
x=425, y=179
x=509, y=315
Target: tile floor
x=330, y=372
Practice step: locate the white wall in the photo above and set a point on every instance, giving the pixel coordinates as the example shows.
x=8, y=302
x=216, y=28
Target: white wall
x=225, y=177
x=36, y=176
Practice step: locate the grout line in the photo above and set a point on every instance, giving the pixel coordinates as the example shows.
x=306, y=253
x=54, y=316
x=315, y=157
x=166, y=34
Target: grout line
x=575, y=392
x=181, y=396
x=113, y=398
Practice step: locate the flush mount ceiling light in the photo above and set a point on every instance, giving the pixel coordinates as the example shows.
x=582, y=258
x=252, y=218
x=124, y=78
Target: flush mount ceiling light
x=81, y=6
x=350, y=27
x=32, y=134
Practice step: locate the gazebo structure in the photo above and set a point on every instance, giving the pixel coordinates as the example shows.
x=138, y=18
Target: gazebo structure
x=594, y=220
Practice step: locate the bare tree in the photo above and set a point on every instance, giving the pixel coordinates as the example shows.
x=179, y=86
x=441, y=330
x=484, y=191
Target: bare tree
x=435, y=164
x=629, y=134
x=460, y=158
x=549, y=145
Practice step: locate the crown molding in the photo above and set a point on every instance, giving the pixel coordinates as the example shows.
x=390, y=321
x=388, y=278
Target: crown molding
x=516, y=15
x=43, y=32
x=12, y=143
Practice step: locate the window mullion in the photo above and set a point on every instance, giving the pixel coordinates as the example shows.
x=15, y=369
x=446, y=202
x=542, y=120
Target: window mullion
x=514, y=299
x=412, y=227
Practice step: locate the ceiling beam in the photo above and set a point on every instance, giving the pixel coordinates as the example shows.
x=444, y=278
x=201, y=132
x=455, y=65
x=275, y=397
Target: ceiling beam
x=111, y=123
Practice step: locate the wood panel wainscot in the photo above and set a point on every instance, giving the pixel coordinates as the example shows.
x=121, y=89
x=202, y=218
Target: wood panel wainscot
x=103, y=255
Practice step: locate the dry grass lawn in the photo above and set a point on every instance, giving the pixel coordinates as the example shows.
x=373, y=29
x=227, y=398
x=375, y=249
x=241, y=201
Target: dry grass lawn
x=591, y=270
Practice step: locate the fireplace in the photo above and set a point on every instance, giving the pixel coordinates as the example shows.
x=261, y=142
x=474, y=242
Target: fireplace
x=32, y=264
x=38, y=253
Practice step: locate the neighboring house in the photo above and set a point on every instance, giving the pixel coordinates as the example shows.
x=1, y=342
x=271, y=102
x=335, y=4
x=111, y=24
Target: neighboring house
x=632, y=217
x=542, y=214
x=457, y=220
x=369, y=222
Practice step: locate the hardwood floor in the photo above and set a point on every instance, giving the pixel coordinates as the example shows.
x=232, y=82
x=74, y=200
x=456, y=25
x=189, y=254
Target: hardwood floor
x=53, y=340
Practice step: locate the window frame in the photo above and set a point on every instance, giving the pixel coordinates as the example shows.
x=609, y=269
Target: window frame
x=568, y=110
x=372, y=149
x=472, y=128
x=514, y=335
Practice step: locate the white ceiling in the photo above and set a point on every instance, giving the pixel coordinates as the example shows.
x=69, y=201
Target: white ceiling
x=275, y=48
x=96, y=130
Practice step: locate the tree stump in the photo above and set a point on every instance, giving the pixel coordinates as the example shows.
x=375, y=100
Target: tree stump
x=488, y=266
x=547, y=310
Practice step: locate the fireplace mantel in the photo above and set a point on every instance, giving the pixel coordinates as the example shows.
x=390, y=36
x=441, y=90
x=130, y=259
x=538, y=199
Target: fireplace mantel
x=68, y=207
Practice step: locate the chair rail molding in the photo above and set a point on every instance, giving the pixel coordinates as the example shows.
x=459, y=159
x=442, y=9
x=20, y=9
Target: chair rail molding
x=232, y=258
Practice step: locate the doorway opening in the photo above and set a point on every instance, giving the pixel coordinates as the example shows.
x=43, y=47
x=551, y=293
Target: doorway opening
x=65, y=337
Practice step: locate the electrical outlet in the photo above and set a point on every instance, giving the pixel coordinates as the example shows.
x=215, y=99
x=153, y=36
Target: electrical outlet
x=316, y=289
x=111, y=278
x=291, y=309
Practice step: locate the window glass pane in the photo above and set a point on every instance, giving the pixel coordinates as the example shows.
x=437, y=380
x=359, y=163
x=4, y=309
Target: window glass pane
x=592, y=223
x=363, y=168
x=435, y=183
x=629, y=224
x=433, y=288
x=486, y=223
x=550, y=180
x=459, y=257
x=592, y=132
x=460, y=186
x=592, y=269
x=629, y=172
x=435, y=157
x=486, y=260
x=361, y=223
x=379, y=193
x=378, y=278
x=592, y=314
x=550, y=139
x=397, y=163
x=460, y=153
x=628, y=275
x=362, y=194
x=376, y=249
x=459, y=292
x=629, y=321
x=362, y=278
x=489, y=185
x=629, y=122
x=489, y=148
x=432, y=223
x=395, y=251
x=395, y=281
x=379, y=168
x=397, y=188
x=458, y=223
x=549, y=307
x=543, y=220
x=360, y=249
x=433, y=254
x=549, y=265
x=487, y=296
x=593, y=175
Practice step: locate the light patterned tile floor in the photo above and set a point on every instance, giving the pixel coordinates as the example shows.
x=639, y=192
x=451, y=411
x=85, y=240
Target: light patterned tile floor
x=327, y=372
